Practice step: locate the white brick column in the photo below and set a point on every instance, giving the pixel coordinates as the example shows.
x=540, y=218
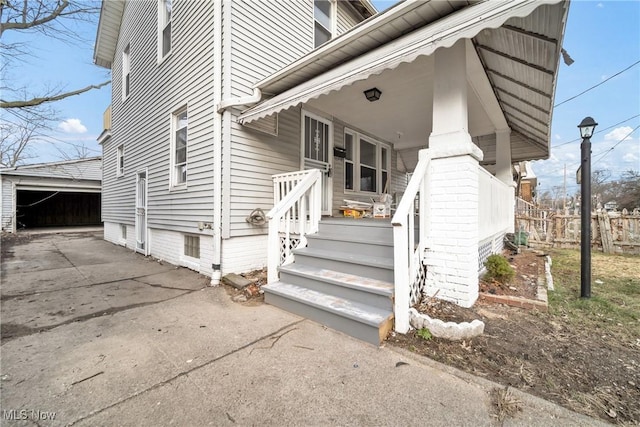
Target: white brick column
x=452, y=195
x=503, y=169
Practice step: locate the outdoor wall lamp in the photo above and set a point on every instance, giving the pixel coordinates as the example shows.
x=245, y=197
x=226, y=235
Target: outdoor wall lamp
x=372, y=94
x=587, y=126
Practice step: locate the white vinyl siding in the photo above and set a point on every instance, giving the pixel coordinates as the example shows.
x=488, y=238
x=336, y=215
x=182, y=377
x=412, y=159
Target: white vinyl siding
x=142, y=125
x=8, y=203
x=260, y=31
x=347, y=18
x=254, y=158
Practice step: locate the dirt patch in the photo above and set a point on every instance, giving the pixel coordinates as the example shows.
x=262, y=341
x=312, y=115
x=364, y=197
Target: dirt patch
x=529, y=265
x=253, y=294
x=587, y=367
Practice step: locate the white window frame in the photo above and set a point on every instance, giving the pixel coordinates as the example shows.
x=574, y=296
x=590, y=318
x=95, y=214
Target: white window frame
x=120, y=160
x=164, y=20
x=126, y=72
x=123, y=235
x=380, y=168
x=333, y=17
x=186, y=237
x=175, y=175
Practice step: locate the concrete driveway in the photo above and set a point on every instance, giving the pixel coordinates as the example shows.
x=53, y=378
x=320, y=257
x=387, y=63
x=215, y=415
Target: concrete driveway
x=95, y=335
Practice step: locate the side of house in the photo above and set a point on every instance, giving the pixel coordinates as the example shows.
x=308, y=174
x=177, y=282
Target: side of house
x=179, y=177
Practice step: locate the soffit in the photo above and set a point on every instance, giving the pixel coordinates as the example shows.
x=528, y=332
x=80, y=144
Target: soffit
x=108, y=31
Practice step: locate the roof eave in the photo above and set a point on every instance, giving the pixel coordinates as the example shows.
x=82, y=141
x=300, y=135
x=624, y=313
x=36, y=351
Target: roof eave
x=106, y=41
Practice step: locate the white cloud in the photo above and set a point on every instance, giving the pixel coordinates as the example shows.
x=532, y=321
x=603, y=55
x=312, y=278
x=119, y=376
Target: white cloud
x=72, y=126
x=557, y=137
x=630, y=158
x=600, y=5
x=618, y=133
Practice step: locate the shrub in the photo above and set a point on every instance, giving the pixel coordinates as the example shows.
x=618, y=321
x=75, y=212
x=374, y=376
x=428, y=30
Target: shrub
x=498, y=269
x=425, y=334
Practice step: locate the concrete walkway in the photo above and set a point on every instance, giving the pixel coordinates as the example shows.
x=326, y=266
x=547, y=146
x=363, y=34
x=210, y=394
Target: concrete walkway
x=98, y=336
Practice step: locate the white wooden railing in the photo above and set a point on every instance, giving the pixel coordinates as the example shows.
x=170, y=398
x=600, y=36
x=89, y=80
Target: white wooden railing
x=409, y=271
x=496, y=204
x=296, y=213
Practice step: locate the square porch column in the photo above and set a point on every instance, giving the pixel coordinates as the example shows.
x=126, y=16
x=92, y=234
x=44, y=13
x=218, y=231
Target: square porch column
x=452, y=195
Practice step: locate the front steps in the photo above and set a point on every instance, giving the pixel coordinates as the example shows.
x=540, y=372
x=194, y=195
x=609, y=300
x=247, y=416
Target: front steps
x=343, y=278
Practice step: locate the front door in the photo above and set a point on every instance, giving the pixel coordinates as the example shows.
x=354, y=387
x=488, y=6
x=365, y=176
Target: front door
x=141, y=213
x=317, y=146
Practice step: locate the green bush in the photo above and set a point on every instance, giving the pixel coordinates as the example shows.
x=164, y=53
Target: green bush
x=425, y=334
x=498, y=268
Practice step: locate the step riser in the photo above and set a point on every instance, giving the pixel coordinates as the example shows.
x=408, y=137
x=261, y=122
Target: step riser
x=372, y=272
x=317, y=242
x=354, y=230
x=317, y=284
x=350, y=327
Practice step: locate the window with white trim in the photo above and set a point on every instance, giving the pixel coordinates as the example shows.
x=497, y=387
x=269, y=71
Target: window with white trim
x=120, y=161
x=192, y=246
x=164, y=28
x=179, y=137
x=323, y=16
x=366, y=165
x=126, y=72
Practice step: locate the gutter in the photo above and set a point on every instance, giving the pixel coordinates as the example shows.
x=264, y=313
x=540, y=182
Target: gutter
x=254, y=98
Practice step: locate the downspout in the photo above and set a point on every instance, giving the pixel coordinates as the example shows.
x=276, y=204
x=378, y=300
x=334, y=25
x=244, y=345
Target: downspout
x=221, y=32
x=217, y=145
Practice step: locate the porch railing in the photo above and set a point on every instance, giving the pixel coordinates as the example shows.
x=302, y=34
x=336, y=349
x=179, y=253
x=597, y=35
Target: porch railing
x=409, y=270
x=296, y=213
x=495, y=214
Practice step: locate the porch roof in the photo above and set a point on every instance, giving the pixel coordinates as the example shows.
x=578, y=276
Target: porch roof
x=517, y=42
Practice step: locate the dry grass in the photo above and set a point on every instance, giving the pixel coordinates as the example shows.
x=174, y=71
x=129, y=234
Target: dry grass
x=505, y=404
x=615, y=292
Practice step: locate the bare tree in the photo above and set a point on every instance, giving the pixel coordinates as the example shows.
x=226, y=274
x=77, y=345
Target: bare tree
x=54, y=18
x=18, y=132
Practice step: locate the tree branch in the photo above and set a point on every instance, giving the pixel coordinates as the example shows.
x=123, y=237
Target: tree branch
x=24, y=24
x=39, y=101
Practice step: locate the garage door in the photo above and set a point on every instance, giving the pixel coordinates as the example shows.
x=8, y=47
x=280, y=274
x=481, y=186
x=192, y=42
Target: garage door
x=56, y=209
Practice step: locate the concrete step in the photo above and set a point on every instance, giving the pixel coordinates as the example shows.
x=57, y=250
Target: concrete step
x=353, y=244
x=374, y=267
x=379, y=229
x=362, y=321
x=365, y=290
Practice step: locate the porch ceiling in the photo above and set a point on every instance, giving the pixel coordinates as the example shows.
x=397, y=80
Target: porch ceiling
x=515, y=47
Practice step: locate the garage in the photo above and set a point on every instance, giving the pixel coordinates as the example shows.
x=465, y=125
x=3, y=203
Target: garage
x=60, y=194
x=56, y=209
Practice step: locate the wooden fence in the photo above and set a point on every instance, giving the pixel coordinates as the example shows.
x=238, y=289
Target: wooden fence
x=610, y=231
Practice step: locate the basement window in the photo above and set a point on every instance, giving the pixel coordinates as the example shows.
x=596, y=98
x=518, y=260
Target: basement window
x=192, y=246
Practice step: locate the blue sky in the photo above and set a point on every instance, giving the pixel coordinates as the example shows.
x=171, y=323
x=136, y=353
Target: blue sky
x=603, y=37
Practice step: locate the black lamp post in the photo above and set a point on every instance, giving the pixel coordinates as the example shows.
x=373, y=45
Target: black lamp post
x=587, y=126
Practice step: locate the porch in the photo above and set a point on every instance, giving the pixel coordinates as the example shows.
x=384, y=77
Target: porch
x=463, y=91
x=362, y=275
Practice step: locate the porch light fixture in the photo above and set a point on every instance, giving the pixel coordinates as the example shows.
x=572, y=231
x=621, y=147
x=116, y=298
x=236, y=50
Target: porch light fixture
x=372, y=94
x=587, y=126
